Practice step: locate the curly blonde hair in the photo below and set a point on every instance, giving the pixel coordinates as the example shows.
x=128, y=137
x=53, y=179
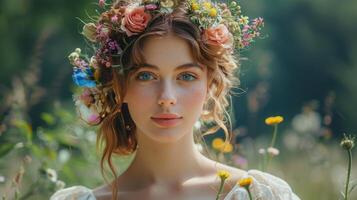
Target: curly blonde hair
x=117, y=129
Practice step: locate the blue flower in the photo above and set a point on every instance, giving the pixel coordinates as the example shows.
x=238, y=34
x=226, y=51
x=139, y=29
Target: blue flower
x=83, y=77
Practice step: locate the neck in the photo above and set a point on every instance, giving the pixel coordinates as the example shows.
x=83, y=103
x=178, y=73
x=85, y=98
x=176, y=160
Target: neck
x=167, y=163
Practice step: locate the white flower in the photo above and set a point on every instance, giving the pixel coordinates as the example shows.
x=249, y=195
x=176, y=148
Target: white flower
x=51, y=174
x=307, y=122
x=60, y=185
x=2, y=179
x=261, y=151
x=63, y=155
x=273, y=151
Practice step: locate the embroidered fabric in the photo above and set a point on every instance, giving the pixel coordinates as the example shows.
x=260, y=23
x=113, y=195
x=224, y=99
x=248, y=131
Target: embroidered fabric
x=265, y=186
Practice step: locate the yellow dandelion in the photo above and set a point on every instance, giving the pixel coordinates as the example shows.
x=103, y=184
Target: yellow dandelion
x=195, y=6
x=245, y=182
x=213, y=12
x=223, y=174
x=207, y=5
x=217, y=143
x=274, y=120
x=227, y=148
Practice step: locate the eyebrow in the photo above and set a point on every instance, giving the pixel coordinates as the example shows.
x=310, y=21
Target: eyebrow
x=183, y=66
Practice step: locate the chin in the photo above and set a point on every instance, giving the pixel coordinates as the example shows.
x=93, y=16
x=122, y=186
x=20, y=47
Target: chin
x=169, y=135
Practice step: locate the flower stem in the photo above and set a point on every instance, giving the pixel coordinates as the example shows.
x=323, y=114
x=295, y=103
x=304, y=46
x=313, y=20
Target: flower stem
x=348, y=173
x=250, y=194
x=274, y=135
x=220, y=190
x=269, y=157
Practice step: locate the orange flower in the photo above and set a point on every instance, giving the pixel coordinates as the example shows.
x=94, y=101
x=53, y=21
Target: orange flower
x=227, y=148
x=217, y=143
x=274, y=120
x=135, y=20
x=218, y=36
x=245, y=182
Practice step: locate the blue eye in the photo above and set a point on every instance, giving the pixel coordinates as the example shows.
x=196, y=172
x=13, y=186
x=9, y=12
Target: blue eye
x=143, y=76
x=188, y=77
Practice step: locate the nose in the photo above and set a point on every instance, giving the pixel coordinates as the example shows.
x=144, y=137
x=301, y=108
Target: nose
x=167, y=96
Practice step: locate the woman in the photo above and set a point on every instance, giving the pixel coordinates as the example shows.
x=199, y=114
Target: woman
x=155, y=74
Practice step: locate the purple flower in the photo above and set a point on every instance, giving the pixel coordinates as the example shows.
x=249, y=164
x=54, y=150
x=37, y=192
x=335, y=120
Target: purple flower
x=101, y=3
x=113, y=47
x=102, y=33
x=151, y=7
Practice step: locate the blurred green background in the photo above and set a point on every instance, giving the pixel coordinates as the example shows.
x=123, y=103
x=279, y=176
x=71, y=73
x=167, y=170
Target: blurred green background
x=304, y=69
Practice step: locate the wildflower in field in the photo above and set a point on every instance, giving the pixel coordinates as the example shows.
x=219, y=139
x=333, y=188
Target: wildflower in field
x=274, y=120
x=273, y=151
x=217, y=143
x=220, y=145
x=245, y=183
x=60, y=185
x=223, y=175
x=261, y=151
x=51, y=174
x=2, y=179
x=227, y=148
x=348, y=142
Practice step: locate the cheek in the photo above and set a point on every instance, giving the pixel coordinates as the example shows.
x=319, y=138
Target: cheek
x=194, y=97
x=140, y=98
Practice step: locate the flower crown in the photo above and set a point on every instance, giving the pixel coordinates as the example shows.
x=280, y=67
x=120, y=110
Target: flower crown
x=121, y=22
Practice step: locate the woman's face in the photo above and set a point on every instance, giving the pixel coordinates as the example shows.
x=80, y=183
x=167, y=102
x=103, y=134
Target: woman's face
x=171, y=82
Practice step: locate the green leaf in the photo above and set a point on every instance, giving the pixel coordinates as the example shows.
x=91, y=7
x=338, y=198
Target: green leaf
x=6, y=148
x=48, y=118
x=25, y=128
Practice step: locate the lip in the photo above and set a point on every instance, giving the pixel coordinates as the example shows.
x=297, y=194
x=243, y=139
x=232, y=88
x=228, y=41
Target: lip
x=166, y=120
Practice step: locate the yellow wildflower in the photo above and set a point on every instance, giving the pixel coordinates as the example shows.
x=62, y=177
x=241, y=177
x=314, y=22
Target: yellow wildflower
x=207, y=5
x=212, y=12
x=223, y=174
x=245, y=182
x=244, y=20
x=167, y=3
x=227, y=148
x=217, y=143
x=274, y=120
x=195, y=6
x=220, y=145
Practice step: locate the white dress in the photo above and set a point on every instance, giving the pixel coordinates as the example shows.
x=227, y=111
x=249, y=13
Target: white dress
x=264, y=187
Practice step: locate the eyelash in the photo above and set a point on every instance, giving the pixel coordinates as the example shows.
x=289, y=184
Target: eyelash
x=141, y=73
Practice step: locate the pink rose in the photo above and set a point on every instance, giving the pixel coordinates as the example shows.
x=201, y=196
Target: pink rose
x=218, y=36
x=101, y=3
x=135, y=21
x=87, y=97
x=93, y=119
